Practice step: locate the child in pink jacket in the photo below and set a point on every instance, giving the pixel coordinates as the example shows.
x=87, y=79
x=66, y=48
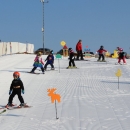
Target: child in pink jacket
x=38, y=62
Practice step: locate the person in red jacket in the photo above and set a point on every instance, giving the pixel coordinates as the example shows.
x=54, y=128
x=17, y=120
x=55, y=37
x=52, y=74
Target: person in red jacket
x=79, y=50
x=101, y=53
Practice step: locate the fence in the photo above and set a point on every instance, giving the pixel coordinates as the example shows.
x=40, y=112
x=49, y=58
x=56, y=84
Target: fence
x=15, y=47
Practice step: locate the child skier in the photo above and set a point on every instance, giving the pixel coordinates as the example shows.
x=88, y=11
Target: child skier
x=16, y=88
x=38, y=62
x=101, y=53
x=71, y=59
x=122, y=56
x=50, y=60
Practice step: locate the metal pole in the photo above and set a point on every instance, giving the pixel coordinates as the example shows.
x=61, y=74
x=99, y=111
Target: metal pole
x=118, y=83
x=43, y=27
x=59, y=64
x=43, y=1
x=56, y=109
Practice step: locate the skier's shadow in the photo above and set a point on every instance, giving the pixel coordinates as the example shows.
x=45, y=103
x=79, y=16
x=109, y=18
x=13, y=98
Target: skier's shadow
x=14, y=71
x=12, y=115
x=116, y=82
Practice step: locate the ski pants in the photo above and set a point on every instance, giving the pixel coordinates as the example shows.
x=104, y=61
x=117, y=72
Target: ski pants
x=51, y=64
x=79, y=53
x=16, y=91
x=119, y=60
x=101, y=56
x=71, y=61
x=36, y=68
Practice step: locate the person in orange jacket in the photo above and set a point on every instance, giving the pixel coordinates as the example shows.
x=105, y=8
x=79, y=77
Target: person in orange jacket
x=79, y=50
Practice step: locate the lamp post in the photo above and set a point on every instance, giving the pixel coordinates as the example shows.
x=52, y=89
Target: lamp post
x=43, y=1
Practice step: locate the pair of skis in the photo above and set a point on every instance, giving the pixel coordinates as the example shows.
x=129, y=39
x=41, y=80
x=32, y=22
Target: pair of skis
x=4, y=109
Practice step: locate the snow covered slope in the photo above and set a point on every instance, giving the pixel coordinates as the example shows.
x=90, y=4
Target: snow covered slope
x=90, y=99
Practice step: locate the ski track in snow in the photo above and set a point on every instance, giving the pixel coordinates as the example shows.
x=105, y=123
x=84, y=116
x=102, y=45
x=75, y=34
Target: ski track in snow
x=90, y=98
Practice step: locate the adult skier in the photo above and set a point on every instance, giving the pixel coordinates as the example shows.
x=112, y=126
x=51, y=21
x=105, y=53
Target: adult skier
x=79, y=50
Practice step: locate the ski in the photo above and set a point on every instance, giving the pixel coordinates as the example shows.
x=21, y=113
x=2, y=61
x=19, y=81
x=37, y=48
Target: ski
x=51, y=70
x=34, y=73
x=72, y=68
x=4, y=107
x=3, y=111
x=16, y=107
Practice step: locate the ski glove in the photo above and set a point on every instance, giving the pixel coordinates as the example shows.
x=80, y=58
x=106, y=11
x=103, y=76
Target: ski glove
x=10, y=92
x=22, y=91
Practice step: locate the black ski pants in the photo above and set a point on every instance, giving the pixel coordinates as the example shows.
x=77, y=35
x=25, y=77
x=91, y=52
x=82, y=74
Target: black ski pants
x=79, y=53
x=36, y=68
x=16, y=91
x=71, y=61
x=101, y=56
x=45, y=67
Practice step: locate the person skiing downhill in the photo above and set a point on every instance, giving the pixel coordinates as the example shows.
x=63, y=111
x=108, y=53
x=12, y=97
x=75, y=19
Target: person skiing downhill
x=71, y=59
x=101, y=53
x=15, y=89
x=50, y=60
x=38, y=62
x=122, y=56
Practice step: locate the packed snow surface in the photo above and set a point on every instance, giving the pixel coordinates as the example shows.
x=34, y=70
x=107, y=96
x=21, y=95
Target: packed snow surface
x=90, y=98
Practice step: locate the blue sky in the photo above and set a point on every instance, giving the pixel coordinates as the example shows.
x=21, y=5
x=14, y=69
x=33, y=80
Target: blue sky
x=96, y=22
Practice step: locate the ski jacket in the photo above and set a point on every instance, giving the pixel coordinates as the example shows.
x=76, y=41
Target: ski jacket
x=50, y=59
x=71, y=55
x=101, y=51
x=122, y=54
x=16, y=84
x=79, y=46
x=39, y=60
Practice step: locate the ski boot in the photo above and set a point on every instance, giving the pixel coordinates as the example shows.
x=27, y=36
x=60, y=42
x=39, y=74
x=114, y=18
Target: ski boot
x=22, y=105
x=52, y=68
x=9, y=105
x=69, y=67
x=32, y=72
x=74, y=67
x=98, y=60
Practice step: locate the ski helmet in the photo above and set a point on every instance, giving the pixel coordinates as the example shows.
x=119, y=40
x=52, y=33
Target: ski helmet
x=16, y=73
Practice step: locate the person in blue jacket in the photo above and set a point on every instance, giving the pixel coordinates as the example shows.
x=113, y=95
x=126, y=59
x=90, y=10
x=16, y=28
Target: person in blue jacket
x=50, y=61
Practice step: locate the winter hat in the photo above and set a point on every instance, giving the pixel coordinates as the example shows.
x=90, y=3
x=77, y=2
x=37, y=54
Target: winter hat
x=51, y=52
x=70, y=50
x=101, y=47
x=39, y=53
